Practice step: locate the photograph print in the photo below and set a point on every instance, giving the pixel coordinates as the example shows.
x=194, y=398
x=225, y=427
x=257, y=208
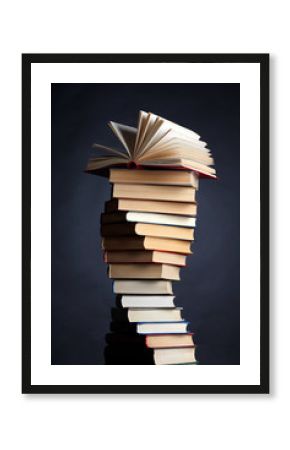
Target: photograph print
x=147, y=247
x=145, y=254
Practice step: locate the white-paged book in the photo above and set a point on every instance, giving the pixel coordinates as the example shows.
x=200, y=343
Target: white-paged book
x=162, y=327
x=154, y=314
x=147, y=301
x=162, y=219
x=156, y=142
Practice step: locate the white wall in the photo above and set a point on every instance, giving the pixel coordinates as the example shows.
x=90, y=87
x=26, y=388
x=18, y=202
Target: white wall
x=44, y=421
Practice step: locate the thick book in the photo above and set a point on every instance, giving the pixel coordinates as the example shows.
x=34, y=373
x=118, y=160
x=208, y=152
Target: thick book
x=147, y=301
x=147, y=243
x=146, y=256
x=161, y=219
x=142, y=287
x=147, y=229
x=169, y=340
x=162, y=327
x=156, y=142
x=149, y=192
x=144, y=271
x=174, y=355
x=152, y=206
x=156, y=177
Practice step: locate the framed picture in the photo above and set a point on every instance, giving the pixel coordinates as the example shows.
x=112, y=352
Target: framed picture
x=145, y=243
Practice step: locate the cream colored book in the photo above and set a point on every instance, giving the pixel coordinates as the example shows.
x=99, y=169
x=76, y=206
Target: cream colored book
x=174, y=356
x=147, y=229
x=142, y=287
x=154, y=314
x=156, y=142
x=156, y=177
x=153, y=206
x=146, y=271
x=147, y=243
x=146, y=256
x=147, y=192
x=169, y=340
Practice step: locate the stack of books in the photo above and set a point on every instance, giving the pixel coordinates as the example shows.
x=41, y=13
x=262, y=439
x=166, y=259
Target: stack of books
x=147, y=230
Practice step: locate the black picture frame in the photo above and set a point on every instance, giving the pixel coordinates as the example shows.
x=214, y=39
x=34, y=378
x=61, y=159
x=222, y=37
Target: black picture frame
x=263, y=61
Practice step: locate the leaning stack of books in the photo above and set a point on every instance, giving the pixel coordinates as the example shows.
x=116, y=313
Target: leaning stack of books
x=147, y=230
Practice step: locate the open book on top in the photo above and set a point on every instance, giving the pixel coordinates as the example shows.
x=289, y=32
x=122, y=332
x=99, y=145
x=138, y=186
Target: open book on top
x=155, y=143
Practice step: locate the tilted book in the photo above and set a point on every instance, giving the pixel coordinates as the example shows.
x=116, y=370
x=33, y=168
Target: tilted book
x=155, y=143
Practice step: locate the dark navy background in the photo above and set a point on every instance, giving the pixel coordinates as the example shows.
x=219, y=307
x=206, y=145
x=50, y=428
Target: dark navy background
x=209, y=289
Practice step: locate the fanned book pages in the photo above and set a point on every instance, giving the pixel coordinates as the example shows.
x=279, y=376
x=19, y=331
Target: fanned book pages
x=155, y=143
